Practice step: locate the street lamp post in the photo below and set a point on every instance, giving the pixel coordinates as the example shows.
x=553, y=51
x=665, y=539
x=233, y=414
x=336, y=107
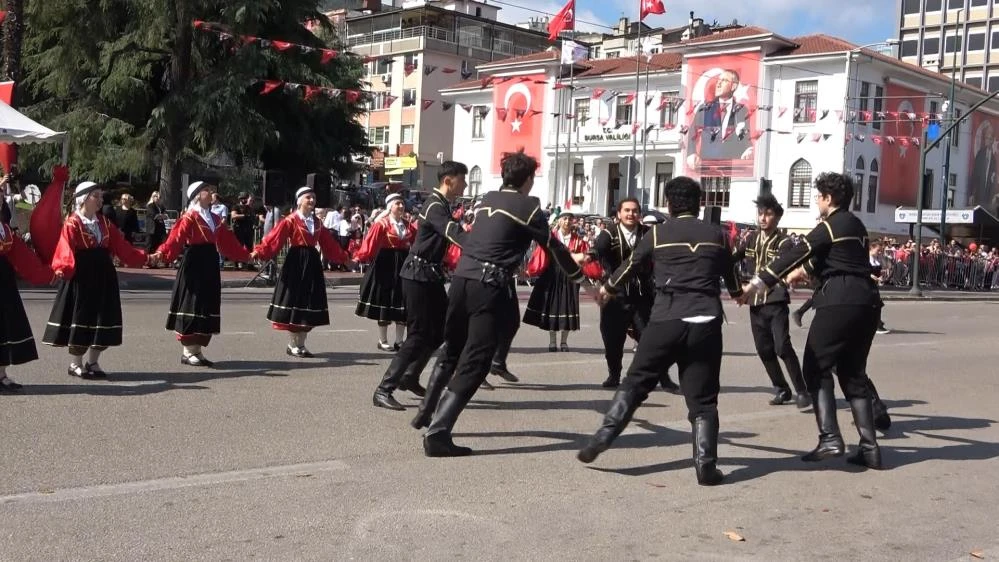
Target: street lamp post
x=945, y=191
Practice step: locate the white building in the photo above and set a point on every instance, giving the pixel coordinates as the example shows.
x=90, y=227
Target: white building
x=802, y=106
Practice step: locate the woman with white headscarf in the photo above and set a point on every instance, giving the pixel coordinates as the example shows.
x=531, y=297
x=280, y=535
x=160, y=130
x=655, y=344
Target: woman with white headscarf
x=195, y=308
x=387, y=243
x=86, y=315
x=299, y=303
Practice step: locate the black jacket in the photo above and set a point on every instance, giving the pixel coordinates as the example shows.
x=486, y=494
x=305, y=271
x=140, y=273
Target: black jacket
x=759, y=250
x=437, y=229
x=611, y=249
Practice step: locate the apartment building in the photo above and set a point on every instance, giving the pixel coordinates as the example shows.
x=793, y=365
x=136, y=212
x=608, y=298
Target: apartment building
x=959, y=36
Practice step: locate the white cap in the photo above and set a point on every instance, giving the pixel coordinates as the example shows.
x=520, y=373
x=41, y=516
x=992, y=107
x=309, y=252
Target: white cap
x=194, y=189
x=302, y=191
x=392, y=198
x=84, y=188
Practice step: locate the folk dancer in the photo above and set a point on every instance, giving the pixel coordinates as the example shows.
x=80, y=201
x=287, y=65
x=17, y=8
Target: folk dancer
x=86, y=314
x=381, y=296
x=847, y=309
x=196, y=303
x=299, y=303
x=423, y=280
x=768, y=311
x=481, y=301
x=690, y=257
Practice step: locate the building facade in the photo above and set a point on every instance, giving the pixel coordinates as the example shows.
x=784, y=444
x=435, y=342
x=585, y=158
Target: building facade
x=743, y=110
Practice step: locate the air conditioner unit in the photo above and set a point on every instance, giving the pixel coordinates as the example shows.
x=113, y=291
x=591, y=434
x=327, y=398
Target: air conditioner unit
x=386, y=77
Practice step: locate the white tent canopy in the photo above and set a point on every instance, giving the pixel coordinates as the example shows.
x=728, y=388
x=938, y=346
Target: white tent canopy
x=15, y=127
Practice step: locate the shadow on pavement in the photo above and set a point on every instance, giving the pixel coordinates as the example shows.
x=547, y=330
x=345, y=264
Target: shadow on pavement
x=101, y=388
x=544, y=350
x=597, y=405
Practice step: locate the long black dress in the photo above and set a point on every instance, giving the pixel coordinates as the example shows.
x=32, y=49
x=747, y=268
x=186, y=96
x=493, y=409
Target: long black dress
x=381, y=297
x=554, y=302
x=17, y=343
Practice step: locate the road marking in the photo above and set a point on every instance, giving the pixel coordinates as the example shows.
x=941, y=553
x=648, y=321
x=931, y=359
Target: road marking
x=172, y=483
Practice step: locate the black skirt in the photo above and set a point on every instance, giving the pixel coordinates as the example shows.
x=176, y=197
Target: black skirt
x=17, y=344
x=87, y=309
x=300, y=293
x=381, y=290
x=554, y=302
x=196, y=305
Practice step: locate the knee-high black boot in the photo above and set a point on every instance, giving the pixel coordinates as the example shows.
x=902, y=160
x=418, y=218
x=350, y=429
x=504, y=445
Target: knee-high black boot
x=439, y=378
x=411, y=377
x=391, y=380
x=868, y=453
x=498, y=366
x=437, y=442
x=830, y=440
x=626, y=400
x=705, y=435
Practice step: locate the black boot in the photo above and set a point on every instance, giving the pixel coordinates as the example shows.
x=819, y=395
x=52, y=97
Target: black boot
x=705, y=434
x=622, y=408
x=776, y=376
x=439, y=378
x=868, y=453
x=411, y=377
x=781, y=397
x=882, y=420
x=502, y=372
x=613, y=379
x=385, y=400
x=830, y=440
x=437, y=442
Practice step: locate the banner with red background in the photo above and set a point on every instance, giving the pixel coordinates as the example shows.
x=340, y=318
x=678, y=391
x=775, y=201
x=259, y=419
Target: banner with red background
x=982, y=181
x=899, y=174
x=518, y=104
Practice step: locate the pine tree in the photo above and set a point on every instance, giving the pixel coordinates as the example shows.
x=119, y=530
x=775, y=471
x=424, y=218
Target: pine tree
x=140, y=89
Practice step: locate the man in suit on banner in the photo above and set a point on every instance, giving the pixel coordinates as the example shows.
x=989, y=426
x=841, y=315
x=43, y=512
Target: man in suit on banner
x=724, y=119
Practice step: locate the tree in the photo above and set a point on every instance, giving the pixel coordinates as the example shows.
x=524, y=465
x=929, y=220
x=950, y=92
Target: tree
x=12, y=36
x=139, y=88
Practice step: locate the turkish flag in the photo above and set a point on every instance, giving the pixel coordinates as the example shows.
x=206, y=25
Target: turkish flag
x=651, y=7
x=564, y=20
x=515, y=133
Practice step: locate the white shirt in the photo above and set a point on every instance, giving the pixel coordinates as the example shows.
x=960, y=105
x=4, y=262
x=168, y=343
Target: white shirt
x=333, y=220
x=221, y=210
x=344, y=228
x=629, y=236
x=400, y=228
x=93, y=226
x=564, y=238
x=310, y=222
x=207, y=215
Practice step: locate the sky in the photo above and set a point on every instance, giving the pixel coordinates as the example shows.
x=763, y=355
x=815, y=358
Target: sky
x=858, y=21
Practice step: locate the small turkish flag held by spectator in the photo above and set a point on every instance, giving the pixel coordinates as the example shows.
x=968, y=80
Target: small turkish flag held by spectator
x=651, y=7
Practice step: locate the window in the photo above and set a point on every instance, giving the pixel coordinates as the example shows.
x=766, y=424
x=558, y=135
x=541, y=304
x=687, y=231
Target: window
x=715, y=191
x=994, y=44
x=976, y=42
x=931, y=46
x=478, y=12
x=383, y=65
x=952, y=44
x=872, y=188
x=910, y=47
x=409, y=97
x=979, y=2
x=858, y=180
x=596, y=51
x=613, y=54
x=664, y=173
x=910, y=7
x=955, y=135
x=951, y=193
x=993, y=83
x=806, y=94
x=474, y=181
x=581, y=109
x=378, y=135
x=975, y=81
x=955, y=4
x=407, y=133
x=799, y=184
x=670, y=108
x=478, y=117
x=578, y=183
x=879, y=103
x=623, y=113
x=412, y=60
x=865, y=94
x=933, y=5
x=380, y=100
x=952, y=179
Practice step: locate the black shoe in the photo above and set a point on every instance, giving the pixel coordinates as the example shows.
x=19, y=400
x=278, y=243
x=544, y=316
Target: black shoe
x=705, y=437
x=868, y=453
x=669, y=386
x=385, y=400
x=552, y=348
x=440, y=444
x=796, y=318
x=78, y=371
x=619, y=414
x=802, y=400
x=564, y=347
x=414, y=387
x=781, y=397
x=830, y=440
x=611, y=382
x=195, y=360
x=8, y=385
x=486, y=386
x=97, y=372
x=295, y=351
x=502, y=372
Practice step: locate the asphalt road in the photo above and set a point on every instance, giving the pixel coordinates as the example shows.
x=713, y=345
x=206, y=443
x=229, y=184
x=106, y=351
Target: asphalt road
x=270, y=458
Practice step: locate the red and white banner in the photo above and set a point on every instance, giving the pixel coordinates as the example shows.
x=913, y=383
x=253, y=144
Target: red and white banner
x=899, y=181
x=516, y=132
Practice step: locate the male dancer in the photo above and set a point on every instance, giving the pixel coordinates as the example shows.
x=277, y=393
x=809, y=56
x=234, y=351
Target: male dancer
x=482, y=301
x=768, y=311
x=629, y=313
x=691, y=256
x=423, y=281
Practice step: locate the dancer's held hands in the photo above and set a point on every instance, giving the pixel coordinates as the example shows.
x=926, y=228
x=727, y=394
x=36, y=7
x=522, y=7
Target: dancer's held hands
x=602, y=296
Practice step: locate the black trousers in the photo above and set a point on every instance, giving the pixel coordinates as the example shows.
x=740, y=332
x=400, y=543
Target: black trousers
x=695, y=348
x=839, y=339
x=616, y=317
x=426, y=310
x=771, y=333
x=505, y=340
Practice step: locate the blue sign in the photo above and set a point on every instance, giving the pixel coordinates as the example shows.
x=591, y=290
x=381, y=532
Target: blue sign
x=932, y=131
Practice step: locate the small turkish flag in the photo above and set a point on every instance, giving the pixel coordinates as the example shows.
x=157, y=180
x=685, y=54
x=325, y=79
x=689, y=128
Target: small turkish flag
x=564, y=20
x=651, y=7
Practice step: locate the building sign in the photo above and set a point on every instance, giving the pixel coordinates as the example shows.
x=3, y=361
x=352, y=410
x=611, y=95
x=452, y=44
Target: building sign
x=607, y=135
x=401, y=162
x=932, y=216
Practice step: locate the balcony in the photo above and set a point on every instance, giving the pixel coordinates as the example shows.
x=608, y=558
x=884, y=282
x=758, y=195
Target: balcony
x=436, y=38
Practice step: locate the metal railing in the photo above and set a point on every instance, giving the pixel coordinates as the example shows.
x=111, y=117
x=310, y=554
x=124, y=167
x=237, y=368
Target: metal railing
x=942, y=271
x=463, y=39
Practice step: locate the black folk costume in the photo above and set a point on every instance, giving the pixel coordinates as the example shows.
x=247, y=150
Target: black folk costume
x=423, y=280
x=690, y=257
x=299, y=303
x=482, y=301
x=86, y=314
x=196, y=302
x=17, y=343
x=847, y=310
x=769, y=318
x=381, y=297
x=554, y=302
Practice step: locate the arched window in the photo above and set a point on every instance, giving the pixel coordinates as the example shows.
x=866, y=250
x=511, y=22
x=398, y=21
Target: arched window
x=474, y=181
x=799, y=184
x=858, y=182
x=872, y=188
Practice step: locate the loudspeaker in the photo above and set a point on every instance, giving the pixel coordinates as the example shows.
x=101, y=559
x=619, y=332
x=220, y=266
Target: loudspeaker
x=279, y=191
x=711, y=214
x=322, y=184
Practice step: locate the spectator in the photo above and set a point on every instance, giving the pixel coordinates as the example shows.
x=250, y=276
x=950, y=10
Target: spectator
x=127, y=218
x=243, y=220
x=156, y=217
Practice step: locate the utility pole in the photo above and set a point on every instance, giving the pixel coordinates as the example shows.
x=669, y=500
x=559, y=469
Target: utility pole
x=950, y=119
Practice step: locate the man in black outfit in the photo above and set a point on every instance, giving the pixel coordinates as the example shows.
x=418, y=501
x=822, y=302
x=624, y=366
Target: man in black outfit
x=847, y=309
x=423, y=281
x=482, y=302
x=690, y=257
x=244, y=217
x=768, y=311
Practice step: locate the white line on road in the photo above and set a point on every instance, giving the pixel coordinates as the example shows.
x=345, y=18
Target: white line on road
x=172, y=483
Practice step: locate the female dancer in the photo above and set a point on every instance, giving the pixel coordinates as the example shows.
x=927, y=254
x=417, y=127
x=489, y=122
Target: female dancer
x=195, y=308
x=387, y=243
x=299, y=302
x=87, y=309
x=554, y=302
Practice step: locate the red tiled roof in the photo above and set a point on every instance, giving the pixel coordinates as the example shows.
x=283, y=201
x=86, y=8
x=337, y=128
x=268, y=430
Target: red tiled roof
x=737, y=33
x=662, y=62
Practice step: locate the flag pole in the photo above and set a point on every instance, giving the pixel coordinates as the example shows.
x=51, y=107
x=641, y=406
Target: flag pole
x=558, y=129
x=645, y=123
x=634, y=139
x=568, y=134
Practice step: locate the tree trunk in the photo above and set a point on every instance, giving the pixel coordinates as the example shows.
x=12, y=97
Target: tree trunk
x=12, y=38
x=180, y=73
